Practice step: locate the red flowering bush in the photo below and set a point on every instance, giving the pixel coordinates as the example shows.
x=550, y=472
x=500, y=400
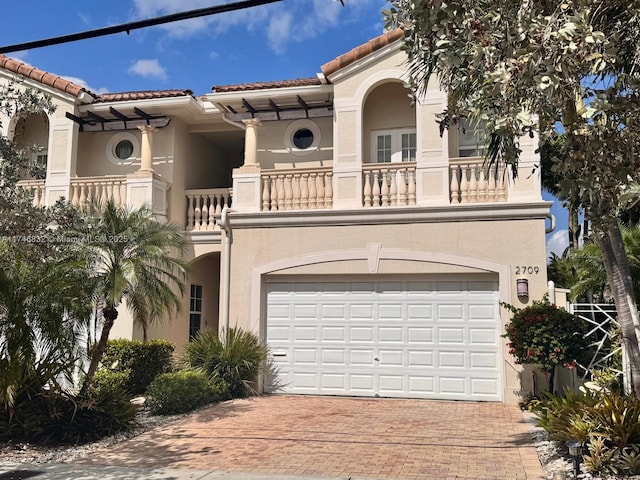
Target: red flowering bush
x=546, y=336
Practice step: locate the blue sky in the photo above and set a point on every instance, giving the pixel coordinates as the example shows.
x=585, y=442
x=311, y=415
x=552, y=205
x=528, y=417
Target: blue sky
x=285, y=40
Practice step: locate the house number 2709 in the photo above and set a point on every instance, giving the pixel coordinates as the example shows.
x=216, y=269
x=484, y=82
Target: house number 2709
x=531, y=270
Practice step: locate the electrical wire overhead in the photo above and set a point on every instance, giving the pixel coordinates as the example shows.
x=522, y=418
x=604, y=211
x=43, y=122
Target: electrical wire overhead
x=128, y=27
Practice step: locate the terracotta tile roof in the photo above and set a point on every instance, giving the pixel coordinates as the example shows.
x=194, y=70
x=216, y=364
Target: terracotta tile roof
x=142, y=95
x=300, y=82
x=362, y=51
x=41, y=76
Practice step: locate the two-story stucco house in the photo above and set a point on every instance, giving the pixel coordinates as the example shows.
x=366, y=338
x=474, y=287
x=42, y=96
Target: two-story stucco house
x=370, y=253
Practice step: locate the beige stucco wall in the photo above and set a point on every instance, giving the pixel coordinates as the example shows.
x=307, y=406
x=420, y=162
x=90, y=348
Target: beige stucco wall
x=272, y=148
x=435, y=248
x=204, y=271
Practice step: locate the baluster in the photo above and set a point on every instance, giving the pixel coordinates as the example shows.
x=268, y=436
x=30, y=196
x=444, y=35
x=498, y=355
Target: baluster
x=313, y=193
x=491, y=195
x=82, y=201
x=320, y=190
x=393, y=178
x=123, y=194
x=197, y=213
x=304, y=191
x=376, y=188
x=220, y=202
x=109, y=191
x=295, y=182
x=204, y=212
x=403, y=177
x=266, y=195
x=36, y=196
x=453, y=189
x=464, y=184
x=103, y=195
x=280, y=185
x=473, y=184
x=367, y=189
x=384, y=191
x=482, y=186
x=288, y=193
x=190, y=212
x=502, y=192
x=75, y=195
x=328, y=192
x=117, y=201
x=412, y=186
x=274, y=192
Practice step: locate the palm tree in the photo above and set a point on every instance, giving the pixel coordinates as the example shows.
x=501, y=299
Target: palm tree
x=130, y=254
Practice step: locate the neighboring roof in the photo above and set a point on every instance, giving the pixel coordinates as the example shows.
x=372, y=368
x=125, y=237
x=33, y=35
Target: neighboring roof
x=41, y=76
x=142, y=95
x=362, y=51
x=241, y=87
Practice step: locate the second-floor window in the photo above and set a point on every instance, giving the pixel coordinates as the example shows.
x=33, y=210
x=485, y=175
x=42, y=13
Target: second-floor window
x=397, y=145
x=470, y=143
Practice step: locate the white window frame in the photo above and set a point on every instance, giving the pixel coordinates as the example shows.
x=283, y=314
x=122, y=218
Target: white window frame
x=469, y=151
x=193, y=310
x=396, y=143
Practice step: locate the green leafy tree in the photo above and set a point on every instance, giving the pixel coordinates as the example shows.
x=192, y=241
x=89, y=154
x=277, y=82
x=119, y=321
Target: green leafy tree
x=525, y=67
x=133, y=259
x=547, y=336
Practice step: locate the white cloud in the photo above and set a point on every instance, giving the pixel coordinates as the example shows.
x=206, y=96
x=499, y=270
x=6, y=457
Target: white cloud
x=82, y=83
x=557, y=242
x=149, y=69
x=281, y=23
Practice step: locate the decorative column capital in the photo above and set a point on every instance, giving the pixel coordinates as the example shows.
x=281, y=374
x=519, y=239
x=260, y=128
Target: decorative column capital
x=252, y=123
x=147, y=128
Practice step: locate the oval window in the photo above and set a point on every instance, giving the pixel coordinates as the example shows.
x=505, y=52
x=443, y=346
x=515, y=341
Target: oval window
x=303, y=138
x=124, y=149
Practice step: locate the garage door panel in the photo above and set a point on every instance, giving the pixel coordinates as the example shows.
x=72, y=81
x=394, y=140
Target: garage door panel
x=361, y=334
x=361, y=357
x=483, y=336
x=396, y=339
x=450, y=312
x=304, y=334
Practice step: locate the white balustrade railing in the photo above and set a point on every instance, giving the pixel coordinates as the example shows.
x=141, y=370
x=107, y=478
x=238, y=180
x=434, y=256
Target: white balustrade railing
x=471, y=182
x=97, y=191
x=389, y=184
x=203, y=205
x=38, y=189
x=297, y=189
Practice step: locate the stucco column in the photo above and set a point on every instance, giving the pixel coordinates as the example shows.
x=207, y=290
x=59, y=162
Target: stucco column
x=146, y=153
x=251, y=143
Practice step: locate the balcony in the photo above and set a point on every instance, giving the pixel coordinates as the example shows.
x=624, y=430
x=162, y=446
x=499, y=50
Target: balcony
x=297, y=189
x=202, y=207
x=471, y=182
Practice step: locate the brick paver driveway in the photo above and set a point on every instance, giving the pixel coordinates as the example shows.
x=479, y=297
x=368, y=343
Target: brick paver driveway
x=342, y=437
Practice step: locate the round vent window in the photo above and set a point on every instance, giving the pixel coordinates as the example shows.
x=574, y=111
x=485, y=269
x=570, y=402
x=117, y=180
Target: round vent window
x=303, y=138
x=124, y=149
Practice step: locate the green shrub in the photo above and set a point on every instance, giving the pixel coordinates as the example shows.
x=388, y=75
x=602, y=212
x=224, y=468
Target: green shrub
x=181, y=392
x=143, y=361
x=106, y=378
x=235, y=360
x=606, y=423
x=547, y=336
x=55, y=417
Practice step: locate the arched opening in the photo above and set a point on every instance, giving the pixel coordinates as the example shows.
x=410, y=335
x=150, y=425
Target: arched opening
x=31, y=136
x=388, y=125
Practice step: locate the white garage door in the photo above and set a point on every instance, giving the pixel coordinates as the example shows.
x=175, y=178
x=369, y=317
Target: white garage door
x=417, y=339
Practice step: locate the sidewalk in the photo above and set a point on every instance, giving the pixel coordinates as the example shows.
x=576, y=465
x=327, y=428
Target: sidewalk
x=62, y=471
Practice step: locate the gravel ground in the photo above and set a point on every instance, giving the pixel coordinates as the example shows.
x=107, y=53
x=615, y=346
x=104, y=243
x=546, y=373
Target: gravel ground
x=550, y=457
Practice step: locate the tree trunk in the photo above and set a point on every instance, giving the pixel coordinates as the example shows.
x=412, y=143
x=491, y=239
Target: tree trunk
x=616, y=264
x=552, y=377
x=109, y=314
x=574, y=227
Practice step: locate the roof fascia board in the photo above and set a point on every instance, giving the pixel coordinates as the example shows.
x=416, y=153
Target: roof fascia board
x=265, y=94
x=364, y=62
